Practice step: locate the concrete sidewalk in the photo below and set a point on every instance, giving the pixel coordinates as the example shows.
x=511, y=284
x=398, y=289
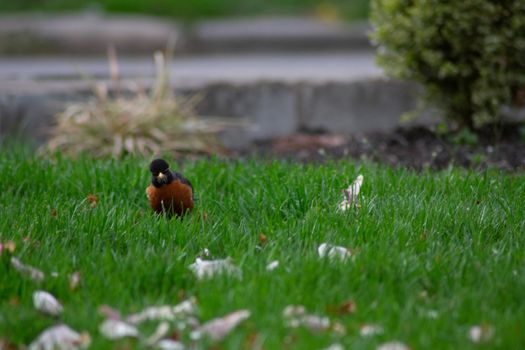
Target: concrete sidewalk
x=335, y=66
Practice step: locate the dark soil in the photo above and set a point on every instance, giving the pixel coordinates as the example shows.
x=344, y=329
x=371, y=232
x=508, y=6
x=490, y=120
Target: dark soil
x=417, y=148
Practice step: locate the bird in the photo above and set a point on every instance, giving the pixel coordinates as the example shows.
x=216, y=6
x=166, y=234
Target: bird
x=169, y=193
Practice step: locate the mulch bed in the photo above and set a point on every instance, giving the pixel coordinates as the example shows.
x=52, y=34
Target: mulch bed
x=415, y=148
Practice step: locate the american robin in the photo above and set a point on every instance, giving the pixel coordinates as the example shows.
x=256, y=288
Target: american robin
x=169, y=191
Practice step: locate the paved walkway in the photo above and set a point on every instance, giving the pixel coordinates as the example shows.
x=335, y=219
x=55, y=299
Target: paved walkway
x=342, y=66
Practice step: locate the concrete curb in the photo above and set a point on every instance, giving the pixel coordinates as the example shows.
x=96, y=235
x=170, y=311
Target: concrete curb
x=273, y=108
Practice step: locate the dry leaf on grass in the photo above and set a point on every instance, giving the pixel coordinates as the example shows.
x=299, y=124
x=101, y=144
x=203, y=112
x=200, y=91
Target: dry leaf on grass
x=351, y=195
x=263, y=239
x=312, y=322
x=47, y=303
x=30, y=271
x=60, y=337
x=272, y=265
x=209, y=268
x=296, y=316
x=165, y=312
x=92, y=200
x=74, y=280
x=109, y=312
x=335, y=346
x=8, y=247
x=169, y=344
x=162, y=330
x=481, y=333
x=348, y=307
x=393, y=345
x=369, y=330
x=294, y=311
x=116, y=329
x=333, y=252
x=6, y=344
x=218, y=328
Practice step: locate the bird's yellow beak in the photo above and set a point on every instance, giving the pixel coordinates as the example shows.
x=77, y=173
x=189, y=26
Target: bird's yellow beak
x=161, y=176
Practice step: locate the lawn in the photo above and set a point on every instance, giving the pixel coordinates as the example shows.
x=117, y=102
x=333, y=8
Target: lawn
x=434, y=253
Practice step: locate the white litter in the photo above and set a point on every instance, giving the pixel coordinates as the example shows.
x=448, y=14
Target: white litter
x=47, y=303
x=60, y=337
x=351, y=194
x=369, y=330
x=210, y=268
x=272, y=265
x=164, y=313
x=116, y=329
x=32, y=272
x=333, y=252
x=335, y=346
x=294, y=311
x=295, y=316
x=168, y=344
x=219, y=328
x=393, y=345
x=162, y=330
x=480, y=333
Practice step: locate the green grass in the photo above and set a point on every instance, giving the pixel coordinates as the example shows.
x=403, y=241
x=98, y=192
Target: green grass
x=455, y=236
x=355, y=9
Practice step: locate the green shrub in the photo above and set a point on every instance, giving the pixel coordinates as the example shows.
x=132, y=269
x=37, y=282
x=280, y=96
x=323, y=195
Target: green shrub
x=469, y=55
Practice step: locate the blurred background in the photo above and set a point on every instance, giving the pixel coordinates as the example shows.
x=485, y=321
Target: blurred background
x=293, y=76
x=199, y=9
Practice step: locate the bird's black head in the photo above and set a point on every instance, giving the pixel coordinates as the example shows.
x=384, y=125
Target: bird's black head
x=160, y=172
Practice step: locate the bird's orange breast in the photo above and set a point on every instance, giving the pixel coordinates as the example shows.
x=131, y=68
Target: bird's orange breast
x=174, y=198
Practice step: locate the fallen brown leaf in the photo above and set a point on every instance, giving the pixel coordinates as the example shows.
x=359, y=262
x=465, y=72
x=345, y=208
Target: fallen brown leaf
x=10, y=247
x=348, y=307
x=263, y=239
x=92, y=200
x=6, y=344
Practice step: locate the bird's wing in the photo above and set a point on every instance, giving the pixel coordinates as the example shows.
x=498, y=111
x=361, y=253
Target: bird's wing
x=181, y=178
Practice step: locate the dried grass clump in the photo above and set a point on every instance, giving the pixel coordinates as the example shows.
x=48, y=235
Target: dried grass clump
x=144, y=124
